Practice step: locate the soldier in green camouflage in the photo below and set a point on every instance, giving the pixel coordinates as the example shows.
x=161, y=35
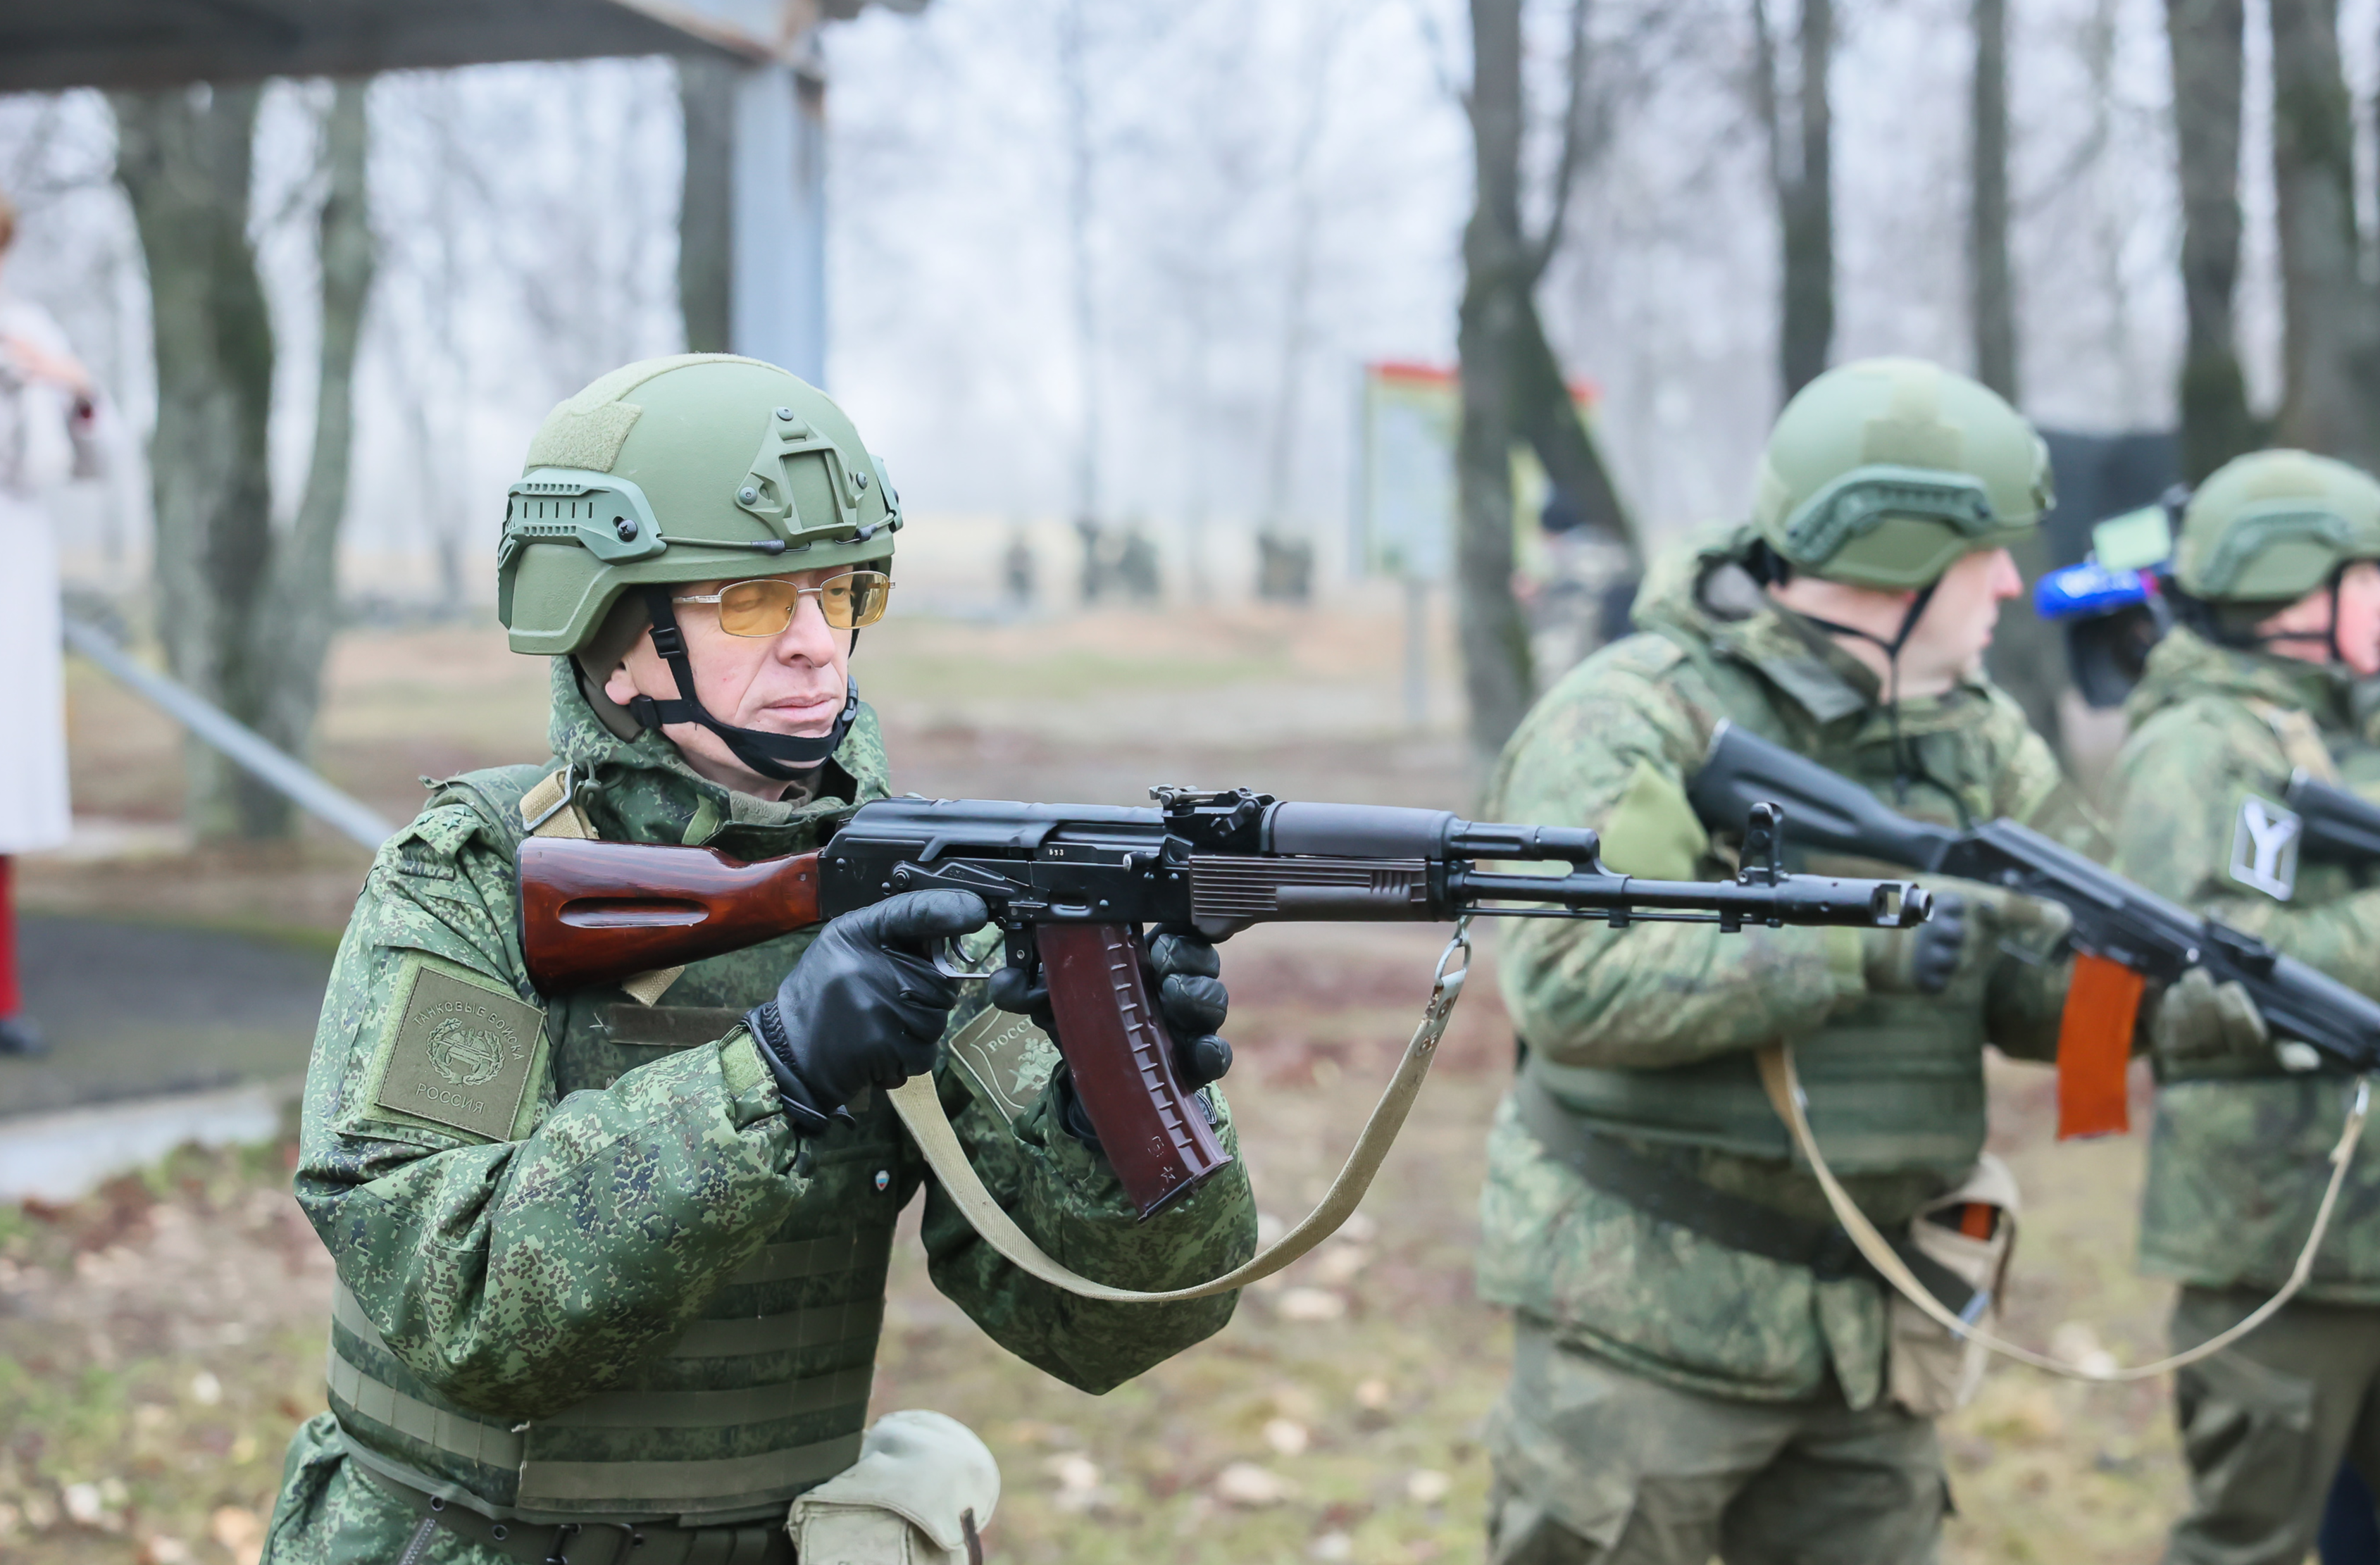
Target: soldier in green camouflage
x=1702, y=1367
x=2278, y=570
x=612, y=1263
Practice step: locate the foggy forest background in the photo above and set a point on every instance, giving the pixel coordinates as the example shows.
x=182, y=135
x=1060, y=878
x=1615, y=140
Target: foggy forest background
x=1268, y=193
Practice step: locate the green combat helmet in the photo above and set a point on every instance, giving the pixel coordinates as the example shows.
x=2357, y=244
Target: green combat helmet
x=2266, y=528
x=1882, y=473
x=688, y=469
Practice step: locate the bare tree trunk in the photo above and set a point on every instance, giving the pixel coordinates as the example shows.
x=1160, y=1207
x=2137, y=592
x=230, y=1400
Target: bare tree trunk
x=245, y=616
x=1490, y=328
x=1992, y=296
x=2027, y=658
x=1512, y=388
x=1297, y=317
x=1548, y=419
x=183, y=159
x=1082, y=159
x=2331, y=337
x=2206, y=39
x=290, y=641
x=1800, y=163
x=705, y=92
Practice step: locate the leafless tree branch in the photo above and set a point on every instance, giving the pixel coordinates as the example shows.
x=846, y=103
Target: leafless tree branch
x=1574, y=133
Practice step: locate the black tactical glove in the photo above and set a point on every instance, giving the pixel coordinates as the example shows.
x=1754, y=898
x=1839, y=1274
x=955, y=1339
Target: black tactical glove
x=1183, y=976
x=864, y=1006
x=1922, y=959
x=1191, y=997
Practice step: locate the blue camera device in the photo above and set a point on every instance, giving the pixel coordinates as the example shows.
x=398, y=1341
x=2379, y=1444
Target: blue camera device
x=2115, y=605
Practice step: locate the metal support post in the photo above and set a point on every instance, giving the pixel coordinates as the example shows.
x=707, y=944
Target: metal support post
x=777, y=308
x=350, y=817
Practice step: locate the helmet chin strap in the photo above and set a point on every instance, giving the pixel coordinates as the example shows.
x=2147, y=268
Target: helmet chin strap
x=2328, y=636
x=781, y=757
x=1906, y=765
x=2204, y=620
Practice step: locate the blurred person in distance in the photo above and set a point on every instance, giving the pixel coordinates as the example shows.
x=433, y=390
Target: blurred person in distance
x=48, y=433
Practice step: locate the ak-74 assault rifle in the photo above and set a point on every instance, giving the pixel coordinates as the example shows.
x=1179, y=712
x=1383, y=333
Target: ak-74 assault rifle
x=2128, y=934
x=1071, y=886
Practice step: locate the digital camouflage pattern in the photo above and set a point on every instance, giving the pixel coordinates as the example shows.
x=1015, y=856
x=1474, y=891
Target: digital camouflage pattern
x=1598, y=1466
x=1673, y=1010
x=2236, y=1166
x=514, y=1276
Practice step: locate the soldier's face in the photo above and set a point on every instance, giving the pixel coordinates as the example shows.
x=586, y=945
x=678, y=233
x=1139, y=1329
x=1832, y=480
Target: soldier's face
x=1956, y=629
x=2301, y=627
x=2359, y=617
x=1949, y=641
x=792, y=682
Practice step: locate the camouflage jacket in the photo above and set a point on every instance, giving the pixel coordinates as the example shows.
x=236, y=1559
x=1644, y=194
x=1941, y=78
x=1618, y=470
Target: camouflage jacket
x=2236, y=1166
x=1612, y=746
x=516, y=1232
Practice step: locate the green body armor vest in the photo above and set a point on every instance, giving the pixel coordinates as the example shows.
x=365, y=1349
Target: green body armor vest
x=763, y=1397
x=1895, y=1084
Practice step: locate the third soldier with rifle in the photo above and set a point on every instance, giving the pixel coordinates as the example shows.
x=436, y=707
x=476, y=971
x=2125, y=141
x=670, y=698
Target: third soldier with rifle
x=2267, y=679
x=1702, y=1364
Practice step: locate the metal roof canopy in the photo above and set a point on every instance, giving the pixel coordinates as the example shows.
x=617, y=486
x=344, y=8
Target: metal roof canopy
x=146, y=43
x=777, y=291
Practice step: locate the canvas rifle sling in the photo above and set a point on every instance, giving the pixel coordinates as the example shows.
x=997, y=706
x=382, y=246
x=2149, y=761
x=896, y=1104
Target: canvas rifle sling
x=921, y=1110
x=1784, y=1087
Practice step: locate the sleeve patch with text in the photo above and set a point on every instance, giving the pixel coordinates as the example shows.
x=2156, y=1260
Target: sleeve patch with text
x=462, y=1056
x=1006, y=1059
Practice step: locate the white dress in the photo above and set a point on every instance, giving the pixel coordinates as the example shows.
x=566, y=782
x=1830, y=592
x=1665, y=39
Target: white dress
x=42, y=445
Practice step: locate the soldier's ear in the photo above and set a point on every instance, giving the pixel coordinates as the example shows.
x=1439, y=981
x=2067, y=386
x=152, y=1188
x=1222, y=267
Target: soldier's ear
x=619, y=684
x=602, y=663
x=608, y=688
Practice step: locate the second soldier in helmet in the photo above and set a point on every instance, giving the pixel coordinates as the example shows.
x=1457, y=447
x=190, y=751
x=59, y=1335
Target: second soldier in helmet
x=1702, y=1367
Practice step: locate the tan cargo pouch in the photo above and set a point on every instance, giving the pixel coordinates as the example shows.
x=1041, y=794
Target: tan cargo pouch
x=1931, y=1371
x=920, y=1494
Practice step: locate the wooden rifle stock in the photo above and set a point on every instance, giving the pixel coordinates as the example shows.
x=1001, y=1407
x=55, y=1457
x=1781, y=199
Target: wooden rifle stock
x=595, y=911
